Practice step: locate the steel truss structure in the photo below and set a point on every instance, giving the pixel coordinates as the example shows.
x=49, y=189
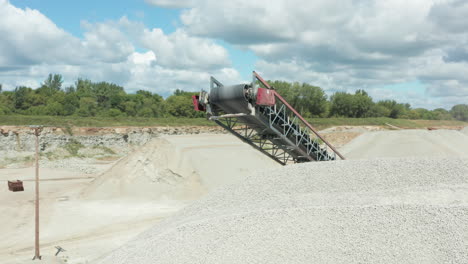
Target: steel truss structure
x=281, y=138
x=250, y=135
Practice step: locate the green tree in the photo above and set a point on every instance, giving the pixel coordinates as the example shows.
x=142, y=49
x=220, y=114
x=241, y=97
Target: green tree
x=180, y=105
x=283, y=88
x=424, y=114
x=362, y=104
x=88, y=107
x=460, y=112
x=107, y=94
x=309, y=100
x=359, y=104
x=378, y=110
x=6, y=102
x=129, y=107
x=150, y=105
x=35, y=110
x=145, y=112
x=71, y=103
x=84, y=88
x=52, y=84
x=341, y=104
x=413, y=114
x=22, y=97
x=158, y=105
x=55, y=109
x=112, y=113
x=442, y=114
x=396, y=110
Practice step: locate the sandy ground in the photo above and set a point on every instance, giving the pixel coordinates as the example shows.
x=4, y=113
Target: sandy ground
x=90, y=215
x=465, y=130
x=81, y=227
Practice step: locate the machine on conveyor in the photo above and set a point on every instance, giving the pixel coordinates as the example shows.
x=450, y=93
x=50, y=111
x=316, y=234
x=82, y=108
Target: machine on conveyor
x=260, y=117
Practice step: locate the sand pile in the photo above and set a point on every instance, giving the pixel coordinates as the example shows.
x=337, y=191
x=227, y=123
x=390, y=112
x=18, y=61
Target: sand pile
x=355, y=211
x=178, y=168
x=407, y=143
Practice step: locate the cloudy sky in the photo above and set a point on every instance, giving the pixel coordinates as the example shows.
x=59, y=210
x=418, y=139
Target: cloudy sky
x=413, y=51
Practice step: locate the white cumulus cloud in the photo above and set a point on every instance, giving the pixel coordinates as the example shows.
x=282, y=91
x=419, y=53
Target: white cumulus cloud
x=32, y=46
x=347, y=44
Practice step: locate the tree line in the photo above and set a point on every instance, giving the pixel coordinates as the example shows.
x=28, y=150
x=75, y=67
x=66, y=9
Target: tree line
x=311, y=101
x=87, y=99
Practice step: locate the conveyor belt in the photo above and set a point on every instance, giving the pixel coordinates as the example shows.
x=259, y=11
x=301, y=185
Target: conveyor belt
x=274, y=128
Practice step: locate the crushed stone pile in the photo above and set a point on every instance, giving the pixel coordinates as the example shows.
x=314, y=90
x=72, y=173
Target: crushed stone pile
x=407, y=143
x=355, y=211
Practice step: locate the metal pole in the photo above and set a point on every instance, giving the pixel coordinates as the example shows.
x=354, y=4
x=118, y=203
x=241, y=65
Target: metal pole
x=37, y=254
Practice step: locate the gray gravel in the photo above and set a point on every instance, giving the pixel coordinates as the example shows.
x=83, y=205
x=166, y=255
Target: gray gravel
x=407, y=143
x=355, y=211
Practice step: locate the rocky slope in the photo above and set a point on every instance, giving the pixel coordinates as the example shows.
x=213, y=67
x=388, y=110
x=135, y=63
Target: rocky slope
x=22, y=138
x=59, y=146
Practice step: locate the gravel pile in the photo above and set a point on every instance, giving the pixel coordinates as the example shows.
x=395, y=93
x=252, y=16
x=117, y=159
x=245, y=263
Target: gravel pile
x=407, y=143
x=355, y=211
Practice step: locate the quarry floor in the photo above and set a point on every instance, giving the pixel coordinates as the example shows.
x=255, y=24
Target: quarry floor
x=92, y=214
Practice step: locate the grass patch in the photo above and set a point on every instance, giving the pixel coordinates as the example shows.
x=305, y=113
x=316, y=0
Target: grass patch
x=108, y=158
x=73, y=147
x=49, y=155
x=68, y=129
x=105, y=150
x=71, y=121
x=21, y=160
x=429, y=123
x=320, y=123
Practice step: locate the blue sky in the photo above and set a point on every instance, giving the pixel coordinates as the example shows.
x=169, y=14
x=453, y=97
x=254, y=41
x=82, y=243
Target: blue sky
x=408, y=51
x=69, y=15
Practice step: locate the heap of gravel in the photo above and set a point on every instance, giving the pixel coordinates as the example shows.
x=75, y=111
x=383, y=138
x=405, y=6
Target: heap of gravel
x=407, y=143
x=357, y=211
